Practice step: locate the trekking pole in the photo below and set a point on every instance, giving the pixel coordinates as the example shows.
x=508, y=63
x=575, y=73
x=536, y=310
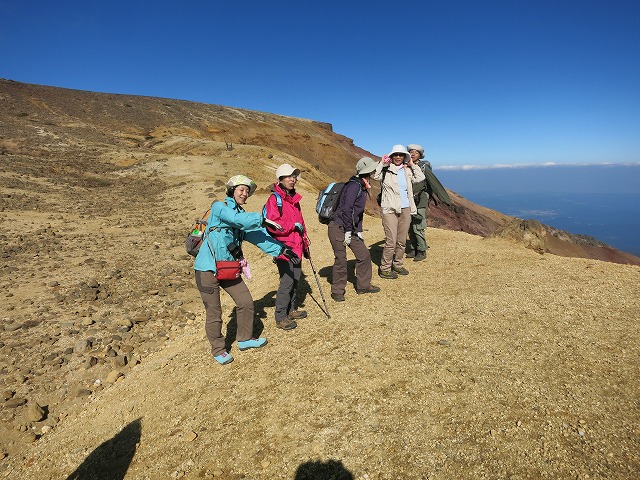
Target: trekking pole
x=315, y=274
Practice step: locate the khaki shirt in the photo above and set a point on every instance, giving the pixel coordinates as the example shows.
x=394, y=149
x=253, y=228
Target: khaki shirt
x=389, y=188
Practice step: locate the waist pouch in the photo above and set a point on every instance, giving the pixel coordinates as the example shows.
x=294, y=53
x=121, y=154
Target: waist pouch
x=228, y=270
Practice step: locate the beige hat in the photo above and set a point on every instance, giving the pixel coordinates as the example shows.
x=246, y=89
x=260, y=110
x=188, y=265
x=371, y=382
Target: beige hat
x=400, y=149
x=365, y=165
x=286, y=170
x=415, y=146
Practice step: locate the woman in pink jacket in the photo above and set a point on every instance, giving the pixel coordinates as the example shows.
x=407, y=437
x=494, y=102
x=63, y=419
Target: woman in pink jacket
x=283, y=207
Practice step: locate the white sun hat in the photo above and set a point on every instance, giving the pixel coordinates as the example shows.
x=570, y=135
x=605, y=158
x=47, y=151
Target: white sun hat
x=286, y=170
x=400, y=149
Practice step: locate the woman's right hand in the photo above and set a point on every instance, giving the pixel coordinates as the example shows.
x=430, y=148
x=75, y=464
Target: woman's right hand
x=291, y=255
x=386, y=160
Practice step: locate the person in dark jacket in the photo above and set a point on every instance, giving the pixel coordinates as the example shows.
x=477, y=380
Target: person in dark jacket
x=345, y=230
x=417, y=244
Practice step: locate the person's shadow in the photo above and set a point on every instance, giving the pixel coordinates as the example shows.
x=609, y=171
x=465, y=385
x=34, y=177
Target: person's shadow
x=111, y=460
x=304, y=289
x=269, y=300
x=376, y=252
x=232, y=326
x=329, y=470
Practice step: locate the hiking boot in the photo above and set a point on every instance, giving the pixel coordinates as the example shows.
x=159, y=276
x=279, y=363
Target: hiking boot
x=400, y=270
x=420, y=256
x=410, y=254
x=298, y=314
x=223, y=358
x=390, y=274
x=337, y=297
x=286, y=324
x=252, y=343
x=371, y=289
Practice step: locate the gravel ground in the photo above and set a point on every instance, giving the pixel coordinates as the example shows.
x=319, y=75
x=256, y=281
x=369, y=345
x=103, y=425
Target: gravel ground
x=487, y=361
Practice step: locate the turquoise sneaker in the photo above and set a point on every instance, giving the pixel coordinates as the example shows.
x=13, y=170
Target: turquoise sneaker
x=223, y=358
x=253, y=343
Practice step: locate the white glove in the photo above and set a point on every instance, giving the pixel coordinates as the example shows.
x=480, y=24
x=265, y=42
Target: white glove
x=347, y=238
x=359, y=234
x=272, y=224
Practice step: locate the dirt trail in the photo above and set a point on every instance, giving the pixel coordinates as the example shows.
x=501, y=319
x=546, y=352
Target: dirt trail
x=487, y=361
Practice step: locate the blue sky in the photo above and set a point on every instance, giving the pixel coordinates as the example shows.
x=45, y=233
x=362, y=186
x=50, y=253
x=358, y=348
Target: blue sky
x=475, y=82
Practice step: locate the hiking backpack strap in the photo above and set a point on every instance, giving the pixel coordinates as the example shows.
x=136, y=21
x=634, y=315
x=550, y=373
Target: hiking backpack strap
x=278, y=203
x=360, y=190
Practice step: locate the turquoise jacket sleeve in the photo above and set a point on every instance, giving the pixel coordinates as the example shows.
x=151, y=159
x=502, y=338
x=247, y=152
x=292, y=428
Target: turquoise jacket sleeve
x=265, y=242
x=224, y=215
x=223, y=219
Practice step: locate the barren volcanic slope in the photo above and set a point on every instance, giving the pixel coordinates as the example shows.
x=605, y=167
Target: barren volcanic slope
x=38, y=122
x=488, y=361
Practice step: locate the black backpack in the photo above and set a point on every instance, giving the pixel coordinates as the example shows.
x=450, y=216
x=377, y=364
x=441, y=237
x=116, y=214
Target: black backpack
x=327, y=203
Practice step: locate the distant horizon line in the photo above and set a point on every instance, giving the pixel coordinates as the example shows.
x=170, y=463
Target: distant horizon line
x=533, y=165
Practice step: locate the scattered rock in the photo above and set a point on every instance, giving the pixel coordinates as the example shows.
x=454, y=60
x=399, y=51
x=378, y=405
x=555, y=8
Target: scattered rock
x=113, y=376
x=90, y=362
x=118, y=361
x=35, y=412
x=81, y=346
x=15, y=402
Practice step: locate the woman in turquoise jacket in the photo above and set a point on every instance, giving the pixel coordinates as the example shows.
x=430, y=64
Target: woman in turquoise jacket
x=228, y=226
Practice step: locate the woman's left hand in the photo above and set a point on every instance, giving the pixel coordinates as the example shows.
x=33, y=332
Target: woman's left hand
x=271, y=224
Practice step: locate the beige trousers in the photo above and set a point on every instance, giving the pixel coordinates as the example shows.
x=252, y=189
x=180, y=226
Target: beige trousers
x=396, y=227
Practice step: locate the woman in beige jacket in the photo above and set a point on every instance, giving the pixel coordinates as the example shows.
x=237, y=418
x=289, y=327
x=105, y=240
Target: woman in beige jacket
x=396, y=173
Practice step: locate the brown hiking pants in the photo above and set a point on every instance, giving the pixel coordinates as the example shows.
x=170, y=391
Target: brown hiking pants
x=339, y=272
x=209, y=288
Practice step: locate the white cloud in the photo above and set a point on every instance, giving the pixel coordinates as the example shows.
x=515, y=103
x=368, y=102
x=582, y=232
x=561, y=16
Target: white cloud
x=532, y=165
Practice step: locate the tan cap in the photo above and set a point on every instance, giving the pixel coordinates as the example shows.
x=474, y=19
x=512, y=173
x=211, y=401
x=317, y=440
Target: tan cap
x=286, y=170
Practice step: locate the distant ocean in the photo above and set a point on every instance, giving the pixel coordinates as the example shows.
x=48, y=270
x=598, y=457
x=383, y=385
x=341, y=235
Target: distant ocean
x=602, y=201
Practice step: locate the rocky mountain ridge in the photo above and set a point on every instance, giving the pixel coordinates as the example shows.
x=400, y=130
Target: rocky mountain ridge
x=122, y=130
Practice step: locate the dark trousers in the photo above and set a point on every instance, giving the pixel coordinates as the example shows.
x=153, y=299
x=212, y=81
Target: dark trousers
x=363, y=261
x=286, y=295
x=417, y=239
x=209, y=288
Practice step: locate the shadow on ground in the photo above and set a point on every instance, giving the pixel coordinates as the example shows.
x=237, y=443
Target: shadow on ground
x=111, y=460
x=331, y=469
